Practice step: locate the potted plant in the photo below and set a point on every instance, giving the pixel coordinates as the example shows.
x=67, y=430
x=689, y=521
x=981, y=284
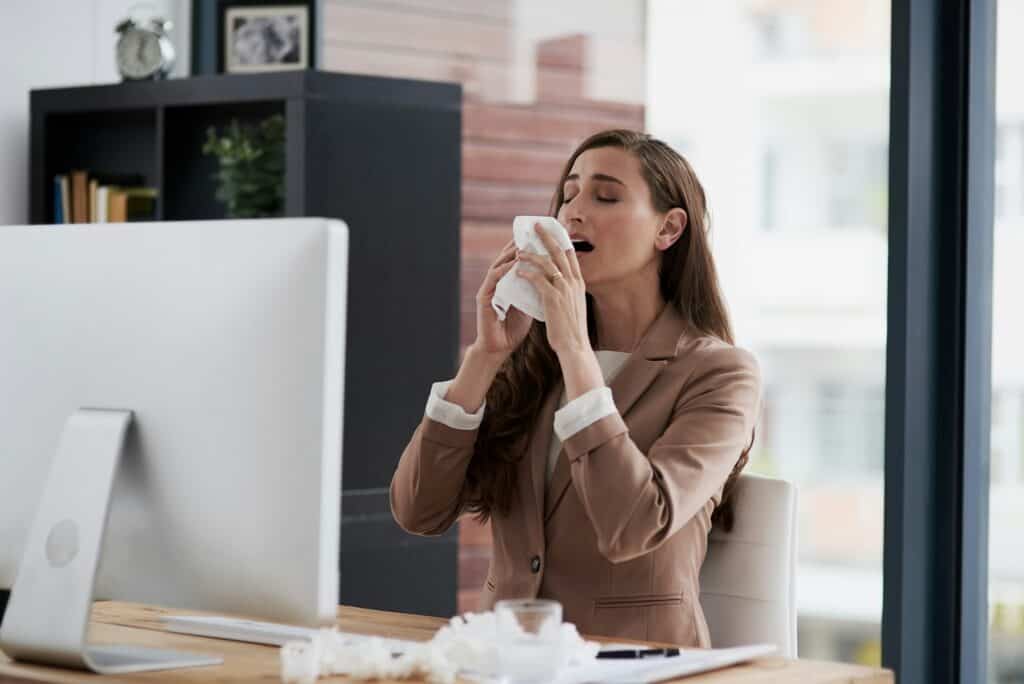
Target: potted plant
x=250, y=178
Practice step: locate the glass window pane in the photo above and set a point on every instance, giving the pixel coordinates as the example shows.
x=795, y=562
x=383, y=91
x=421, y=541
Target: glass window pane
x=1006, y=497
x=785, y=105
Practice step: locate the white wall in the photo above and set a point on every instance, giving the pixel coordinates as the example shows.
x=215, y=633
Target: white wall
x=53, y=43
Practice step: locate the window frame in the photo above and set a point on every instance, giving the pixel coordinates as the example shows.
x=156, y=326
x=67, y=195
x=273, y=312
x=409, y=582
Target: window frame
x=938, y=349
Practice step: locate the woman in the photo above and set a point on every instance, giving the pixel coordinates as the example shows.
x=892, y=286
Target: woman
x=605, y=503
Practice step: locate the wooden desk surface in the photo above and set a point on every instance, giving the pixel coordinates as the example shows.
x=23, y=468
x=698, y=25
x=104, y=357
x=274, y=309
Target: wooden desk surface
x=129, y=623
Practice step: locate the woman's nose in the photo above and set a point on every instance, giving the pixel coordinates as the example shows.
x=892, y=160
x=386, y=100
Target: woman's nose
x=571, y=213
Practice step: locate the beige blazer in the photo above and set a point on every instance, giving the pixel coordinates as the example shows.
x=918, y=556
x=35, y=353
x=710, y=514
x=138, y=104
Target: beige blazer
x=619, y=535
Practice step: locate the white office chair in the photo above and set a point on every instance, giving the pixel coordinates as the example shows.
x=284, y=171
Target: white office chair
x=748, y=580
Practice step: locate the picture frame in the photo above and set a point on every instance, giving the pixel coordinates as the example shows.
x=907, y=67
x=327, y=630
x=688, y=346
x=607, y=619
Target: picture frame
x=209, y=34
x=262, y=38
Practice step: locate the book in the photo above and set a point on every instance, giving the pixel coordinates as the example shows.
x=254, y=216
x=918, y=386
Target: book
x=93, y=204
x=117, y=209
x=103, y=204
x=58, y=198
x=79, y=196
x=65, y=199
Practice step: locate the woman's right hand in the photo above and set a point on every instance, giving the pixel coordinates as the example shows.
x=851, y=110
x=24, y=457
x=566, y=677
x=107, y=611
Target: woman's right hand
x=495, y=337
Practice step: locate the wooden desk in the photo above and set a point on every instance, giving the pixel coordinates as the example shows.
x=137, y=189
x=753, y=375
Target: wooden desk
x=138, y=624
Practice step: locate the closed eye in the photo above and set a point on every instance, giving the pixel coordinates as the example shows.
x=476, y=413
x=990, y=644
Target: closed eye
x=606, y=200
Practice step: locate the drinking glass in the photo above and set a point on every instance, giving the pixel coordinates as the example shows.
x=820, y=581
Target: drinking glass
x=529, y=640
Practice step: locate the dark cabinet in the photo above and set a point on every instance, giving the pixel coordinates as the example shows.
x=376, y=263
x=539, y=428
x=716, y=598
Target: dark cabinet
x=383, y=155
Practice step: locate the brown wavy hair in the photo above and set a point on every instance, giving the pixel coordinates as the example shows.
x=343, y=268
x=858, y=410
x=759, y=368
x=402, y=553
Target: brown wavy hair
x=688, y=281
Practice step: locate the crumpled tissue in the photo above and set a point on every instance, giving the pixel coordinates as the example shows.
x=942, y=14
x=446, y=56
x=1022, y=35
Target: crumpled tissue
x=468, y=644
x=512, y=290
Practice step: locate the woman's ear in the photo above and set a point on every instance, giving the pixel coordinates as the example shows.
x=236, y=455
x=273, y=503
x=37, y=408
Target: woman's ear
x=672, y=227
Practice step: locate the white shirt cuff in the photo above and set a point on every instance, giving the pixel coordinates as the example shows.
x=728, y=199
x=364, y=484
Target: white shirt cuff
x=448, y=413
x=584, y=411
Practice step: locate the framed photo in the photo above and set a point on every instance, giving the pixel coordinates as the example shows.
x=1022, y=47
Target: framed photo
x=260, y=37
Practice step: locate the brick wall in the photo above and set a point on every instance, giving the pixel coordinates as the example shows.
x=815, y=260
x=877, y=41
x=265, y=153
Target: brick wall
x=512, y=154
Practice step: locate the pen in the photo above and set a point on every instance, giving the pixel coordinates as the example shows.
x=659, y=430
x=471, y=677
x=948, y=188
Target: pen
x=638, y=653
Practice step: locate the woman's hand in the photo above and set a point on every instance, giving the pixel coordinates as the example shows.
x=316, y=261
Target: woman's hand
x=562, y=292
x=495, y=338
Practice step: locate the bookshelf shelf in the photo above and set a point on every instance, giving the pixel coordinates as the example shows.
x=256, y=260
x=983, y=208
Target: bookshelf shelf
x=382, y=154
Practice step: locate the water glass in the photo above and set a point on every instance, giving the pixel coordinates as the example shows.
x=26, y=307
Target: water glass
x=529, y=640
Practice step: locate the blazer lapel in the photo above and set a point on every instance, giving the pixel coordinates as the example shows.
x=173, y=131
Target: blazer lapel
x=656, y=348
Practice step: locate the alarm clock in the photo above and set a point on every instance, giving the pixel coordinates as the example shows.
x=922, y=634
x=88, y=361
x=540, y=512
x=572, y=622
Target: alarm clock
x=143, y=50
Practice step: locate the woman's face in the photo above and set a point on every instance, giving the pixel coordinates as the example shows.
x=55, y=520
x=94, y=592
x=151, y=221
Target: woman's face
x=608, y=204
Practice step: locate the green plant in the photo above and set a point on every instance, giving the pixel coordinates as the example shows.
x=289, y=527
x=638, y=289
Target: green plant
x=250, y=180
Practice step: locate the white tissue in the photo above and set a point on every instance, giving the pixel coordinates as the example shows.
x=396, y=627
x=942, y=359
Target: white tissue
x=515, y=291
x=330, y=653
x=468, y=644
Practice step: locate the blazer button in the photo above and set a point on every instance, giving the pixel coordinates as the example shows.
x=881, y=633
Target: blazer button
x=535, y=564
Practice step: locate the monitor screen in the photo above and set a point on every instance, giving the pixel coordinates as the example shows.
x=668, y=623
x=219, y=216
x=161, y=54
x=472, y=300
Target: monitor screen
x=226, y=342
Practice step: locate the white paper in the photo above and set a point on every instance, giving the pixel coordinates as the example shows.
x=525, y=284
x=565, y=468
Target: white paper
x=662, y=668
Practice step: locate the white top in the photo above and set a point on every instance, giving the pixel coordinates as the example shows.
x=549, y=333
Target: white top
x=571, y=418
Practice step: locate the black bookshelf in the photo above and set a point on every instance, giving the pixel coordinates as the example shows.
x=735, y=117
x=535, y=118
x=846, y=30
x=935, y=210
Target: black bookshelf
x=382, y=154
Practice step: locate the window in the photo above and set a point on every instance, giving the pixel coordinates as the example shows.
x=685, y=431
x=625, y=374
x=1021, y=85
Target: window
x=769, y=188
x=1009, y=203
x=1006, y=496
x=857, y=181
x=851, y=423
x=789, y=135
x=779, y=33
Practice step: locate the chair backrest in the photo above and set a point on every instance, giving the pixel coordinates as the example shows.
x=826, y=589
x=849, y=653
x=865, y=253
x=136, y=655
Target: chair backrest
x=748, y=580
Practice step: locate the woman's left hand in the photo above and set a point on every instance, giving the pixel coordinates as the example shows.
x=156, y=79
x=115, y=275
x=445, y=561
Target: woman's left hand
x=562, y=293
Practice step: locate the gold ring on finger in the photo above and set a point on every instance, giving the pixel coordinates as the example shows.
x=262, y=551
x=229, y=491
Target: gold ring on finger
x=555, y=276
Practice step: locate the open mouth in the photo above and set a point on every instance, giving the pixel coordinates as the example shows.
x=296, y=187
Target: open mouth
x=582, y=246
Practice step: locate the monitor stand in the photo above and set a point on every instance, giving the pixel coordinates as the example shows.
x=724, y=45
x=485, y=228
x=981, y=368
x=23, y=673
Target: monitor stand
x=47, y=615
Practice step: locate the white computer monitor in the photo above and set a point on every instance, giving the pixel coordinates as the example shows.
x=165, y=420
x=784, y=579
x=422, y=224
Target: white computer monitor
x=209, y=355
